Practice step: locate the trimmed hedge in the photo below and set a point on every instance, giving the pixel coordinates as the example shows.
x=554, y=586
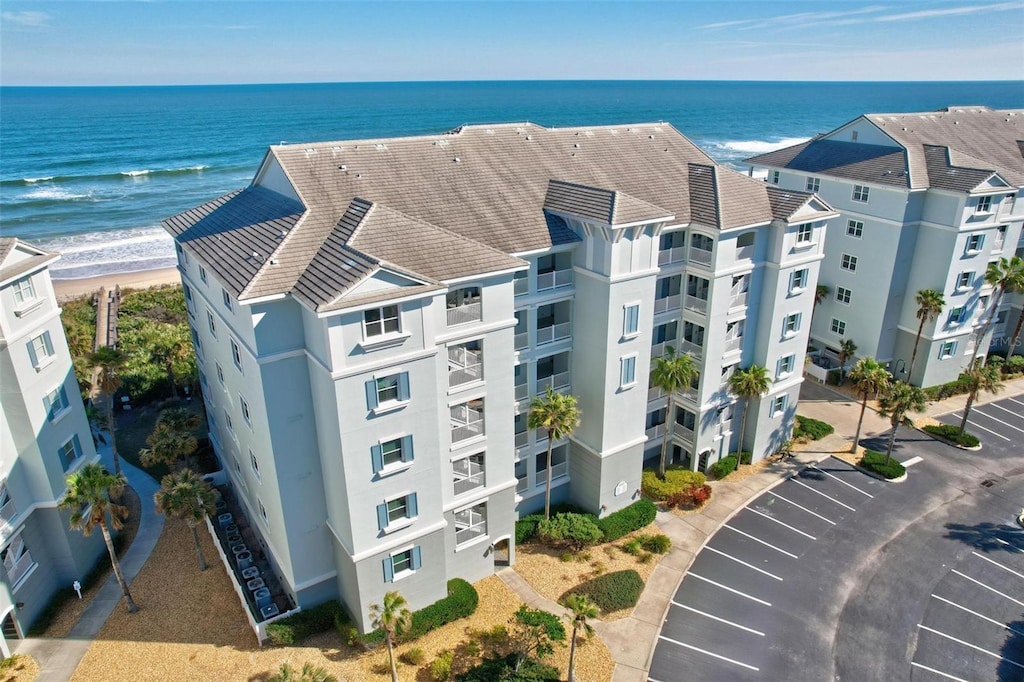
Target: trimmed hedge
x=611, y=591
x=952, y=433
x=461, y=602
x=875, y=461
x=722, y=468
x=526, y=527
x=961, y=386
x=812, y=429
x=569, y=530
x=634, y=517
x=308, y=622
x=676, y=480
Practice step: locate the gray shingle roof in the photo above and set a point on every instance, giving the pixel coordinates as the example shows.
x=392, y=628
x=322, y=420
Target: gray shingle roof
x=850, y=160
x=11, y=270
x=785, y=203
x=943, y=173
x=601, y=205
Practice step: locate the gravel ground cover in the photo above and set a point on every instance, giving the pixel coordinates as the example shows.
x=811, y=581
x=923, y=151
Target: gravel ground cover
x=25, y=669
x=190, y=626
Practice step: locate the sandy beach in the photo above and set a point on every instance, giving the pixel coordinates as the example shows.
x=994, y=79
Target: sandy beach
x=74, y=288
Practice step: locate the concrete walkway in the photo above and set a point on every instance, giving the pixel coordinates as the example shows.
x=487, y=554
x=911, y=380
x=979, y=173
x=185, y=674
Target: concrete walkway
x=58, y=657
x=632, y=640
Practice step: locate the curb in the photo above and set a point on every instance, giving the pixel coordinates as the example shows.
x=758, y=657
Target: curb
x=947, y=441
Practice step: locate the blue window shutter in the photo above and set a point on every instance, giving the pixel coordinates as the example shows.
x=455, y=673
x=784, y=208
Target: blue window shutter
x=46, y=341
x=32, y=354
x=78, y=446
x=417, y=559
x=407, y=448
x=371, y=394
x=48, y=406
x=63, y=397
x=414, y=509
x=403, y=386
x=389, y=570
x=382, y=516
x=378, y=458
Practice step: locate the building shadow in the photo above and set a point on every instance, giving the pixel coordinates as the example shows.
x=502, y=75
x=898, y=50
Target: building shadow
x=1011, y=667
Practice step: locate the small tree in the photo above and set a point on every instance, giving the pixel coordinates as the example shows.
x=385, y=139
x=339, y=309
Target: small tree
x=847, y=350
x=172, y=441
x=987, y=378
x=88, y=496
x=929, y=306
x=393, y=618
x=559, y=415
x=821, y=292
x=894, y=402
x=748, y=384
x=171, y=348
x=582, y=611
x=671, y=372
x=108, y=363
x=184, y=495
x=869, y=378
x=533, y=633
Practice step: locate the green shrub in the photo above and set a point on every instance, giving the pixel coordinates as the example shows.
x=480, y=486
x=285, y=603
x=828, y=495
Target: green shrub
x=1014, y=364
x=722, y=468
x=441, y=668
x=952, y=433
x=744, y=456
x=526, y=527
x=959, y=387
x=414, y=656
x=569, y=530
x=812, y=429
x=875, y=461
x=676, y=479
x=306, y=623
x=461, y=601
x=638, y=515
x=504, y=668
x=659, y=544
x=611, y=591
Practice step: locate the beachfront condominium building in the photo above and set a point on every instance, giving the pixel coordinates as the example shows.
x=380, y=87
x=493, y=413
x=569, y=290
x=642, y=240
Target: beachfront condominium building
x=927, y=200
x=373, y=317
x=44, y=436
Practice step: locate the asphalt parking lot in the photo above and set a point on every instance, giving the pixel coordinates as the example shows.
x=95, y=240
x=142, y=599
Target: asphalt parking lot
x=999, y=425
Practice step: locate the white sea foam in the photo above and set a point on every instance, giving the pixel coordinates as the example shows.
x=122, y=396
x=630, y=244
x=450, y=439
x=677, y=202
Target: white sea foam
x=135, y=173
x=53, y=194
x=112, y=251
x=760, y=146
x=31, y=181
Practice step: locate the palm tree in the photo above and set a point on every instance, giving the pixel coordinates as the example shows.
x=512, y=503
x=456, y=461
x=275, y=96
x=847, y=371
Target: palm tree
x=1006, y=274
x=986, y=378
x=821, y=292
x=894, y=402
x=108, y=362
x=847, y=349
x=170, y=347
x=559, y=415
x=869, y=378
x=582, y=610
x=1016, y=286
x=171, y=442
x=88, y=496
x=930, y=303
x=186, y=496
x=748, y=383
x=671, y=372
x=392, y=618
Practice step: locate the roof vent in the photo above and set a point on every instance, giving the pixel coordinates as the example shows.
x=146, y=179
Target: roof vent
x=283, y=234
x=273, y=261
x=650, y=137
x=888, y=172
x=310, y=151
x=576, y=145
x=380, y=147
x=335, y=150
x=456, y=159
x=343, y=167
x=529, y=137
x=256, y=256
x=359, y=176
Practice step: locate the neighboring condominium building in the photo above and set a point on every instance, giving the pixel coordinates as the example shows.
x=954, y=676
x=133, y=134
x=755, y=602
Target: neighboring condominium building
x=927, y=200
x=44, y=436
x=372, y=318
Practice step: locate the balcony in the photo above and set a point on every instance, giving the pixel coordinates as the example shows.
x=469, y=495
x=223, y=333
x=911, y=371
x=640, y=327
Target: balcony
x=658, y=349
x=470, y=524
x=695, y=349
x=656, y=431
x=7, y=514
x=17, y=570
x=554, y=279
x=684, y=432
x=701, y=256
x=466, y=422
x=676, y=254
x=468, y=474
x=655, y=393
x=556, y=382
x=464, y=366
x=662, y=305
x=698, y=305
x=522, y=484
x=522, y=392
x=739, y=300
x=745, y=253
x=557, y=471
x=522, y=284
x=553, y=332
x=522, y=439
x=464, y=314
x=733, y=344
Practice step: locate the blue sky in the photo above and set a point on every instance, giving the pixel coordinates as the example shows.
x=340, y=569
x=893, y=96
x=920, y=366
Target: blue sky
x=126, y=43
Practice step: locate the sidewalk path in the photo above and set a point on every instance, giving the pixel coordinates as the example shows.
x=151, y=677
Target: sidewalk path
x=631, y=641
x=58, y=657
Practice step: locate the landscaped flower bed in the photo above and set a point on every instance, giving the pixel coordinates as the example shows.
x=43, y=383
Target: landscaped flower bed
x=952, y=434
x=875, y=461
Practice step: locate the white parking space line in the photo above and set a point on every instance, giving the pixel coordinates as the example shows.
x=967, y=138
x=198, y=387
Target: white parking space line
x=1015, y=428
x=973, y=646
x=709, y=653
x=841, y=481
x=766, y=544
x=729, y=589
x=1014, y=400
x=740, y=561
x=720, y=620
x=990, y=589
x=775, y=494
x=771, y=518
x=977, y=425
x=813, y=490
x=937, y=672
x=998, y=406
x=1008, y=544
x=1010, y=570
x=911, y=462
x=979, y=615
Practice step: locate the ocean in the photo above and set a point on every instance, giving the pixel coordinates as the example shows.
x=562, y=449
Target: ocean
x=91, y=172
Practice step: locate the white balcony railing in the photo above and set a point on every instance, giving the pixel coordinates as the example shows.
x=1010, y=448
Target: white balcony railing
x=658, y=349
x=655, y=393
x=553, y=333
x=690, y=347
x=522, y=286
x=667, y=303
x=469, y=525
x=17, y=570
x=8, y=512
x=464, y=366
x=522, y=392
x=700, y=256
x=656, y=431
x=674, y=255
x=522, y=439
x=744, y=253
x=739, y=300
x=466, y=423
x=464, y=314
x=733, y=344
x=556, y=381
x=696, y=304
x=522, y=340
x=522, y=484
x=554, y=279
x=684, y=432
x=468, y=475
x=557, y=471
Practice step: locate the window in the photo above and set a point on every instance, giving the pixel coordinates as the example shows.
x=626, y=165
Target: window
x=838, y=327
x=390, y=454
x=403, y=563
x=255, y=464
x=798, y=281
x=394, y=512
x=779, y=405
x=631, y=320
x=23, y=291
x=804, y=233
x=791, y=325
x=975, y=242
x=813, y=184
x=202, y=274
x=197, y=344
x=470, y=524
x=245, y=411
x=773, y=177
x=843, y=295
x=957, y=315
x=746, y=239
x=854, y=228
x=627, y=371
x=182, y=255
x=848, y=262
x=860, y=193
x=228, y=422
x=227, y=298
x=17, y=559
x=853, y=135
x=212, y=323
x=964, y=280
x=220, y=373
x=947, y=350
x=263, y=510
x=55, y=402
x=236, y=355
x=381, y=321
x=40, y=350
x=69, y=452
x=786, y=365
x=560, y=459
x=387, y=391
x=984, y=205
x=189, y=303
